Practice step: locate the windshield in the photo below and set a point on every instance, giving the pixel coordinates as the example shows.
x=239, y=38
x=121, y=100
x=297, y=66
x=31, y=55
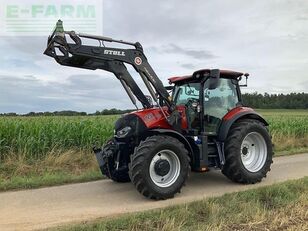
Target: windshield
x=182, y=93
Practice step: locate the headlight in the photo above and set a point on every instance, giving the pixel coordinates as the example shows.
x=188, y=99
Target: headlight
x=123, y=132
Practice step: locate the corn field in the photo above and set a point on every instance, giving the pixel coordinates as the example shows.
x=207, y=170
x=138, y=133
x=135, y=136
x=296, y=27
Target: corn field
x=289, y=128
x=34, y=137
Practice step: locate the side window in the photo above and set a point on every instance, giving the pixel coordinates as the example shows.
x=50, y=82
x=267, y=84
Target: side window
x=185, y=92
x=218, y=102
x=188, y=95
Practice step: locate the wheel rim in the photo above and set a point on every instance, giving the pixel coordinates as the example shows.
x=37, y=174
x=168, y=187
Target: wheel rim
x=174, y=168
x=253, y=152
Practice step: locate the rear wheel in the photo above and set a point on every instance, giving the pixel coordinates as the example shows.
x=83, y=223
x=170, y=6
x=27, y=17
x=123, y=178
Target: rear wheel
x=159, y=167
x=248, y=152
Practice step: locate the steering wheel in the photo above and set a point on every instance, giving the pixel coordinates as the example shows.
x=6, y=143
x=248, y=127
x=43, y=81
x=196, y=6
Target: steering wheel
x=192, y=103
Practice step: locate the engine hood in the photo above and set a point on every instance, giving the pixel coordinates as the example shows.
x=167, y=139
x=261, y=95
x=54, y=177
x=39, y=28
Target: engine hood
x=154, y=118
x=129, y=125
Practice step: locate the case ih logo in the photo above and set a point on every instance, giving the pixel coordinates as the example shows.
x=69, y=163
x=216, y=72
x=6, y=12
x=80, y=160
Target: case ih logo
x=112, y=52
x=138, y=61
x=149, y=117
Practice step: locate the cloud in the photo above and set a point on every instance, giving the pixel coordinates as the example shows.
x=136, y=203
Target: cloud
x=302, y=17
x=21, y=63
x=28, y=93
x=264, y=38
x=188, y=65
x=194, y=53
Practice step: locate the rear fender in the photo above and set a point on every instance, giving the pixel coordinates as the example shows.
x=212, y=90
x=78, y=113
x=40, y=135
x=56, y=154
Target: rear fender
x=233, y=116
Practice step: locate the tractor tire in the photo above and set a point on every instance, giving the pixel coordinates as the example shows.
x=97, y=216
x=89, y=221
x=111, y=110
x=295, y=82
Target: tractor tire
x=120, y=176
x=109, y=168
x=159, y=167
x=248, y=152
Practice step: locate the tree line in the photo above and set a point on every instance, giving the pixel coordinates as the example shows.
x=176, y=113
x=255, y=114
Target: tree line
x=112, y=111
x=276, y=101
x=255, y=100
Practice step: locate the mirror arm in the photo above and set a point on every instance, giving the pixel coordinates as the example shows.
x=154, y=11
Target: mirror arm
x=246, y=77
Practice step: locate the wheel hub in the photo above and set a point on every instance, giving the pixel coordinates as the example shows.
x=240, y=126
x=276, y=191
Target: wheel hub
x=162, y=167
x=245, y=151
x=253, y=151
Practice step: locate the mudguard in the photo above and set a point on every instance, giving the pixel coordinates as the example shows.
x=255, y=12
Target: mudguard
x=235, y=114
x=178, y=136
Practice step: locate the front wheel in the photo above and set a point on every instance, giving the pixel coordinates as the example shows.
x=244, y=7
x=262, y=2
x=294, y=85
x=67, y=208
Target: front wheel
x=159, y=167
x=248, y=152
x=108, y=164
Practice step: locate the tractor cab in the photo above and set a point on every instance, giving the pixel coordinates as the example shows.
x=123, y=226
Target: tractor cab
x=207, y=99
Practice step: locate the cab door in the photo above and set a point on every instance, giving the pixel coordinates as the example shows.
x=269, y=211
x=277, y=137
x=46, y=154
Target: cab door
x=217, y=102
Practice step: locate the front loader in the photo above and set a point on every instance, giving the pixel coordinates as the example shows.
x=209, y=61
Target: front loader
x=201, y=125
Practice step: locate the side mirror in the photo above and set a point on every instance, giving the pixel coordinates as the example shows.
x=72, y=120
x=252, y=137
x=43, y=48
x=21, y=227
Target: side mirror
x=213, y=76
x=214, y=79
x=240, y=78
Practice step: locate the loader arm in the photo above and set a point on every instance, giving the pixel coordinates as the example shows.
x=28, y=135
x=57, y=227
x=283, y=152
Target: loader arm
x=110, y=59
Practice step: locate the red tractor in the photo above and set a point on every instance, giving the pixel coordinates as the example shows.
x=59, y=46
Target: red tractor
x=202, y=124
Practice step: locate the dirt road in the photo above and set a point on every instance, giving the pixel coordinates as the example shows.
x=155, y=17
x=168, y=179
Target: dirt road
x=47, y=207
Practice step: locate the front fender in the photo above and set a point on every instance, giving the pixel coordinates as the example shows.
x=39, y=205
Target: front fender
x=234, y=115
x=178, y=136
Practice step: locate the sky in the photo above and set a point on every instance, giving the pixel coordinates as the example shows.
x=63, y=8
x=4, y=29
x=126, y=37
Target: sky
x=266, y=38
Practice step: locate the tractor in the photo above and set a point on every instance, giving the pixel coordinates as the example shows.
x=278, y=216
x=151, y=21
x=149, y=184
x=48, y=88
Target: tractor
x=196, y=124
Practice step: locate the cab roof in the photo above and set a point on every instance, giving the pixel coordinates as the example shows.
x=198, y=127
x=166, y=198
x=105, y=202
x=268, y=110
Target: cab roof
x=223, y=73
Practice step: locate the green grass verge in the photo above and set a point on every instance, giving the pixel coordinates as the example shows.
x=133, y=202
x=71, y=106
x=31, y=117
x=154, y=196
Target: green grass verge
x=292, y=151
x=43, y=178
x=54, y=169
x=47, y=179
x=281, y=206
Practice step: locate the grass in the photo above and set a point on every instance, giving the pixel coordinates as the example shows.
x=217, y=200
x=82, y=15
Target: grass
x=281, y=206
x=47, y=179
x=35, y=137
x=44, y=151
x=289, y=130
x=17, y=172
